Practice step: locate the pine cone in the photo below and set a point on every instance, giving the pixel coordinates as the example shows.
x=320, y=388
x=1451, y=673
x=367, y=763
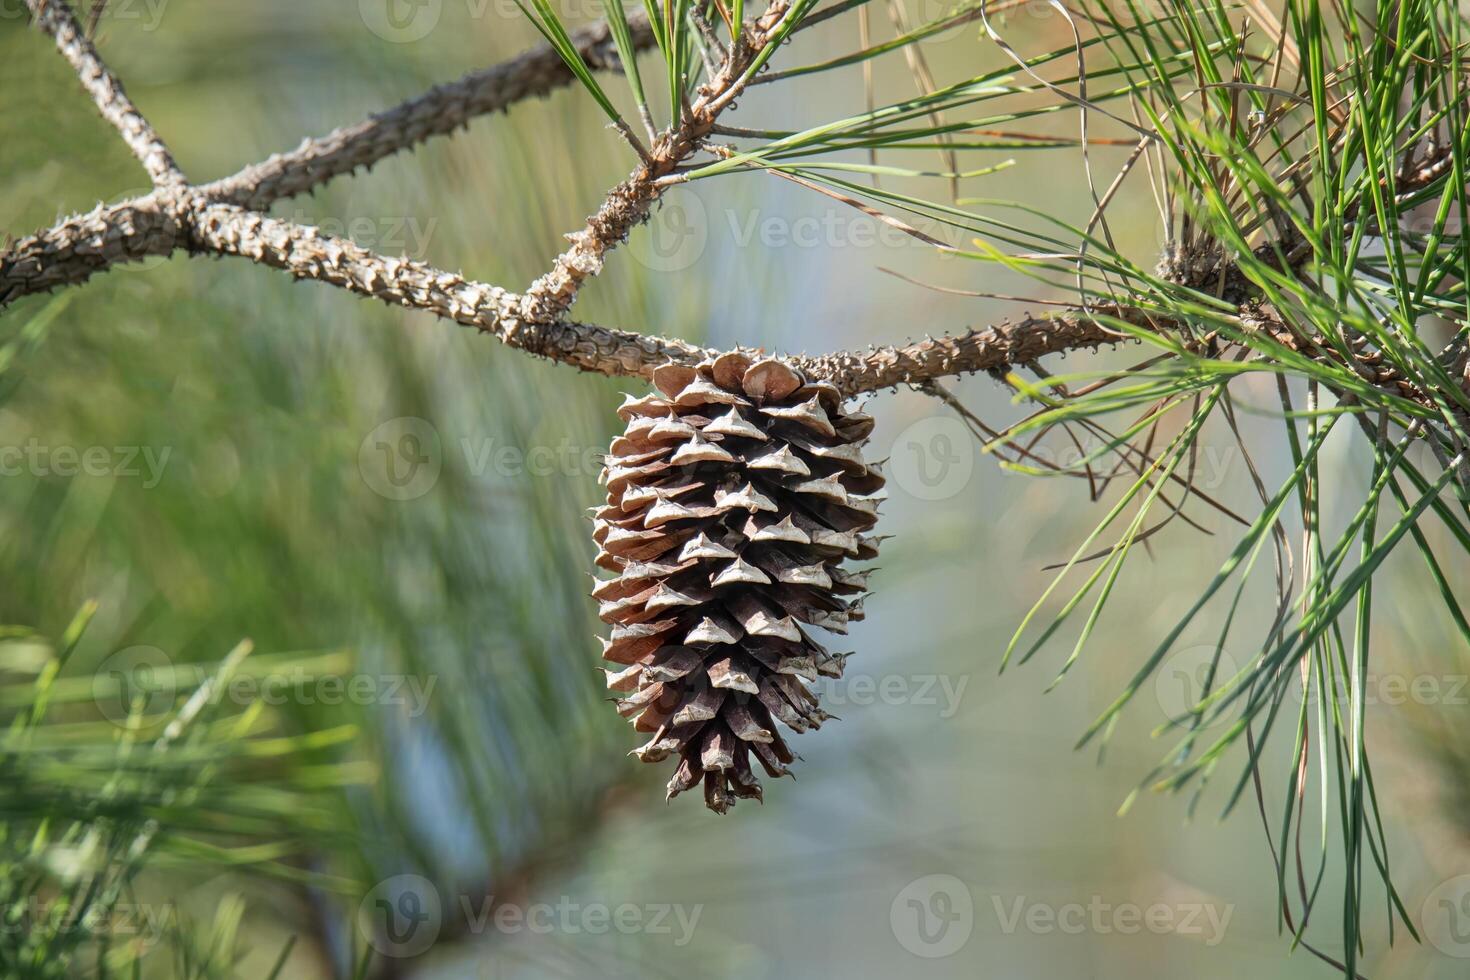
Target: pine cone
x=734, y=497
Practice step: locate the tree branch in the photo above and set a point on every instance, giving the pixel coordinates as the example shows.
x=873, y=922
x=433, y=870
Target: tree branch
x=629, y=204
x=307, y=253
x=81, y=246
x=215, y=219
x=990, y=349
x=56, y=19
x=206, y=227
x=437, y=112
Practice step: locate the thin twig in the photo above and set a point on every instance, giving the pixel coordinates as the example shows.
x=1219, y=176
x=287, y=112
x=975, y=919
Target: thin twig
x=57, y=19
x=629, y=203
x=75, y=249
x=307, y=253
x=437, y=112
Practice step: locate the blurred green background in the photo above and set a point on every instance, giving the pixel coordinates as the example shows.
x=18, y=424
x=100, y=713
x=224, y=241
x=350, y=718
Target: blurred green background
x=243, y=419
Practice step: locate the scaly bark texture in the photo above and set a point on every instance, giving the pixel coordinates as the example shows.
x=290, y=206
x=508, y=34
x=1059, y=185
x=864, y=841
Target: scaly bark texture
x=991, y=349
x=734, y=499
x=307, y=253
x=83, y=245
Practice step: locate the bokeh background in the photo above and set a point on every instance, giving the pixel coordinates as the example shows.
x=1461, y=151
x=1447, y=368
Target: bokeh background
x=245, y=421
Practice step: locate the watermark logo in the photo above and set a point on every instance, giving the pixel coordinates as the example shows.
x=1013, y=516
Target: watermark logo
x=146, y=14
x=932, y=459
x=141, y=924
x=565, y=459
x=568, y=917
x=933, y=11
x=36, y=458
x=675, y=236
x=1391, y=689
x=1188, y=676
x=940, y=692
x=1191, y=674
x=1445, y=917
x=402, y=458
x=400, y=21
x=932, y=917
x=143, y=681
x=1098, y=916
x=678, y=233
x=404, y=915
x=401, y=916
x=405, y=235
x=138, y=679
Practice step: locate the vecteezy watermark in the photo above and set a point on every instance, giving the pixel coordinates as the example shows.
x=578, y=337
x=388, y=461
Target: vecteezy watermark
x=404, y=235
x=933, y=458
x=402, y=459
x=1193, y=674
x=146, y=14
x=1207, y=467
x=143, y=680
x=1445, y=917
x=681, y=229
x=400, y=21
x=1187, y=677
x=941, y=692
x=139, y=923
x=402, y=916
x=136, y=680
x=1389, y=689
x=36, y=458
x=1098, y=916
x=675, y=235
x=406, y=21
x=933, y=916
x=951, y=13
x=1044, y=10
x=565, y=458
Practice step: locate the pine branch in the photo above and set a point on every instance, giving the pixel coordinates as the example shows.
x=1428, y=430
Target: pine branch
x=83, y=245
x=1361, y=342
x=993, y=348
x=77, y=248
x=630, y=203
x=211, y=219
x=166, y=220
x=306, y=253
x=56, y=19
x=437, y=112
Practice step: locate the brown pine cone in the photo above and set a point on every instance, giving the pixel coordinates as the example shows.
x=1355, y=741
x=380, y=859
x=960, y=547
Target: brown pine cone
x=734, y=497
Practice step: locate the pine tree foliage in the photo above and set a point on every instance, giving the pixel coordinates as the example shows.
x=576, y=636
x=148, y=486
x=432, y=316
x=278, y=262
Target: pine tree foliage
x=1308, y=163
